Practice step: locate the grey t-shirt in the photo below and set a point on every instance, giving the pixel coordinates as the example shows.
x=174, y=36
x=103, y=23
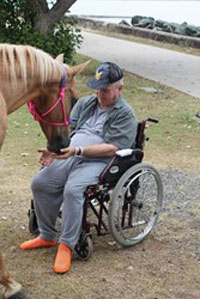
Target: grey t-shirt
x=120, y=127
x=91, y=131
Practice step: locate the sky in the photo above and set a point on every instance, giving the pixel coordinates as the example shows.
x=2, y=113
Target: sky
x=178, y=11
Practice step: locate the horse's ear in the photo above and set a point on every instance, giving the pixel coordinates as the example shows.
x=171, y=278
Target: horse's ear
x=77, y=69
x=60, y=58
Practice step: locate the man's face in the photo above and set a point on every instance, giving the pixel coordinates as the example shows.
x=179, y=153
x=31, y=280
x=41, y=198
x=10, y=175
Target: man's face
x=108, y=95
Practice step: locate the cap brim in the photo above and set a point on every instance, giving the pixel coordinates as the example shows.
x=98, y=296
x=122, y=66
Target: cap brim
x=97, y=84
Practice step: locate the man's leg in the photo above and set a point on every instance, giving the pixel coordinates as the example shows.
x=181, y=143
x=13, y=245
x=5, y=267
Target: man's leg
x=84, y=174
x=47, y=187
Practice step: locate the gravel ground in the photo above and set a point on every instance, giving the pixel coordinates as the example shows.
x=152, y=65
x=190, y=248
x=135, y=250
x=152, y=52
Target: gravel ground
x=165, y=265
x=181, y=187
x=183, y=191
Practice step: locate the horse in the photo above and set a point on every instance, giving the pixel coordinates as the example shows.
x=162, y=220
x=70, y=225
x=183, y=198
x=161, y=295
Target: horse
x=30, y=75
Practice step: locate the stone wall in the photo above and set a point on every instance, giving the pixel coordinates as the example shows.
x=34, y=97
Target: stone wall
x=141, y=32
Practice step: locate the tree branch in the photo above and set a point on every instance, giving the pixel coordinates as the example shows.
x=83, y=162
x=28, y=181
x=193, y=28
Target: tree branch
x=47, y=17
x=59, y=9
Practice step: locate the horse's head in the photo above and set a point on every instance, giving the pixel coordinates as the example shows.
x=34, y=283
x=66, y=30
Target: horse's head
x=54, y=105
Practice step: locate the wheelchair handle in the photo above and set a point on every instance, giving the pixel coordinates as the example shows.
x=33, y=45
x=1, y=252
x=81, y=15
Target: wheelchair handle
x=152, y=119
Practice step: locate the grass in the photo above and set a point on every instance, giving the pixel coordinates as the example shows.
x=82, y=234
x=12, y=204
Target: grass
x=174, y=142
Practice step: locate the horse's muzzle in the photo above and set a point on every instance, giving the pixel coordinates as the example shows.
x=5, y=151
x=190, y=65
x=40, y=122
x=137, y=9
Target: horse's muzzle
x=57, y=144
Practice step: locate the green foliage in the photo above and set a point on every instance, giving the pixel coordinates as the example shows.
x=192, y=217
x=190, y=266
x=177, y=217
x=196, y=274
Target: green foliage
x=17, y=27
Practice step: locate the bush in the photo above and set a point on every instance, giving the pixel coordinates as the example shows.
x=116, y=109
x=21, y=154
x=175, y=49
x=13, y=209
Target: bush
x=16, y=28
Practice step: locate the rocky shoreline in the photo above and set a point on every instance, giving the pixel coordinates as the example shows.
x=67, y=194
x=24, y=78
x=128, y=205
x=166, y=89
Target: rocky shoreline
x=162, y=36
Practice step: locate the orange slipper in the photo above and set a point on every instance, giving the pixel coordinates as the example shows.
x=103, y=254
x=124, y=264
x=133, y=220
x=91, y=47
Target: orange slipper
x=63, y=259
x=37, y=243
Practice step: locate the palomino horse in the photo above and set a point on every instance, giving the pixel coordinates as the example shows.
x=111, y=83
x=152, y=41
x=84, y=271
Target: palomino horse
x=31, y=75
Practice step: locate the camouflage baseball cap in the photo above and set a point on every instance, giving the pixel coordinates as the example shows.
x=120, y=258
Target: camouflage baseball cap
x=106, y=74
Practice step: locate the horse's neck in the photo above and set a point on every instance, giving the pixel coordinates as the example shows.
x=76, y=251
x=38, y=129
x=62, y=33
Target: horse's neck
x=16, y=97
x=29, y=95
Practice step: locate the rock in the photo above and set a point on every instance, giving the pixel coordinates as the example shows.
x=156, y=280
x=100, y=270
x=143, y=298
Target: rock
x=198, y=114
x=16, y=124
x=160, y=25
x=146, y=23
x=150, y=89
x=136, y=19
x=13, y=248
x=112, y=243
x=24, y=154
x=123, y=22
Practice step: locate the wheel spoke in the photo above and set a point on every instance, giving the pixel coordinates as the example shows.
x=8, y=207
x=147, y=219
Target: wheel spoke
x=135, y=204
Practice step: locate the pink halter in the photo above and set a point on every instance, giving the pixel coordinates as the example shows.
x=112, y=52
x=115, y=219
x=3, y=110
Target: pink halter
x=60, y=99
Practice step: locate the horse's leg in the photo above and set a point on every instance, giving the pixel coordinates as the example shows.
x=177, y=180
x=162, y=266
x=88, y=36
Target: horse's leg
x=3, y=119
x=13, y=289
x=4, y=275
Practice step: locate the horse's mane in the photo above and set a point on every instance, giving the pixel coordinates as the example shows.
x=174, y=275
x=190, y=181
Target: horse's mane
x=26, y=62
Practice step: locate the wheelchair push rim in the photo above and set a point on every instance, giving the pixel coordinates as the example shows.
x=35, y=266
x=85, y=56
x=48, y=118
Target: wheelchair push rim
x=135, y=204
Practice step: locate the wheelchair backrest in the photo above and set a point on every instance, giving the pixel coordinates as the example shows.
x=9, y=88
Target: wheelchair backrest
x=140, y=138
x=119, y=165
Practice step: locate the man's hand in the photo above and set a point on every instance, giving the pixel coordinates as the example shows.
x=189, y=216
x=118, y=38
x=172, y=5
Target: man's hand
x=65, y=153
x=46, y=158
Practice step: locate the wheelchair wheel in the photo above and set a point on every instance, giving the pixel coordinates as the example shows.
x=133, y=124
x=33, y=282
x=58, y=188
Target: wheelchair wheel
x=135, y=204
x=33, y=225
x=84, y=247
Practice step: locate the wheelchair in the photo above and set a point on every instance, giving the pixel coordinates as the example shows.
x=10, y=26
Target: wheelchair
x=126, y=202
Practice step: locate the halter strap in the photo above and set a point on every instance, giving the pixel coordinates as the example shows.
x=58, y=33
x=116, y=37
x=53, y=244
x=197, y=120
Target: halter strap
x=60, y=99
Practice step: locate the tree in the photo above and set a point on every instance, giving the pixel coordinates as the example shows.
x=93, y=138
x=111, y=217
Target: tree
x=40, y=23
x=43, y=17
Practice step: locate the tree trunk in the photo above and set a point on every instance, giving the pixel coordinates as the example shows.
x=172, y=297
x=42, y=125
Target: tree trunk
x=47, y=17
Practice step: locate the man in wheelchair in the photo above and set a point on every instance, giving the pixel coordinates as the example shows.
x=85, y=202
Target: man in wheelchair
x=101, y=124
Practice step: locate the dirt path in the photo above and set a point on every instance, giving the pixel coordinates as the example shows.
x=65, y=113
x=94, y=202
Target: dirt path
x=165, y=265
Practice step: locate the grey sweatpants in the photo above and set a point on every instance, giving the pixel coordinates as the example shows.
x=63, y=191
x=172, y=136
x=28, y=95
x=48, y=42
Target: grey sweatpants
x=63, y=183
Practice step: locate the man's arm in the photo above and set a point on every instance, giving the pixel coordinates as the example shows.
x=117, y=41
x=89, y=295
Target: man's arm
x=122, y=131
x=90, y=151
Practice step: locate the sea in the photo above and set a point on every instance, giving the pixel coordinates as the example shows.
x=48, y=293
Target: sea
x=114, y=11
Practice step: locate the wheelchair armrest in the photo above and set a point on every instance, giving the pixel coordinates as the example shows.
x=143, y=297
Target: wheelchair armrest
x=128, y=152
x=124, y=152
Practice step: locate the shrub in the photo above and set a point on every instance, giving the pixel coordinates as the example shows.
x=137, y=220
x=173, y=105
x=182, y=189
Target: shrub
x=16, y=28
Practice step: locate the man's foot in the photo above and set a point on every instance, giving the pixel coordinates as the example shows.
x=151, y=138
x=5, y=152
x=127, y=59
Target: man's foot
x=63, y=259
x=37, y=243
